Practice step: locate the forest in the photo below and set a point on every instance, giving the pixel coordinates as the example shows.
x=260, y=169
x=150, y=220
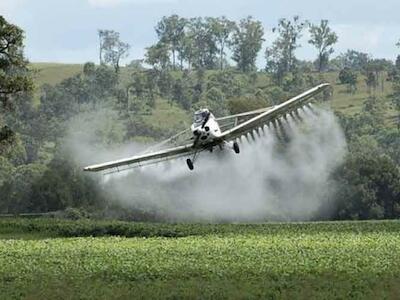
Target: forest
x=199, y=62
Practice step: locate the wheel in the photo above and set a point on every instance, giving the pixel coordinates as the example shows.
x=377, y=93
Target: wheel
x=236, y=147
x=190, y=164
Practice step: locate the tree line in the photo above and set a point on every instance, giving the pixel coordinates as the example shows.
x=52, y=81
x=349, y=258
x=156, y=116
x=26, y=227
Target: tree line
x=206, y=42
x=211, y=43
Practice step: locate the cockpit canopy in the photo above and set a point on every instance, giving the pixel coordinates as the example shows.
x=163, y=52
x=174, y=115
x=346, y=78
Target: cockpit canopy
x=200, y=116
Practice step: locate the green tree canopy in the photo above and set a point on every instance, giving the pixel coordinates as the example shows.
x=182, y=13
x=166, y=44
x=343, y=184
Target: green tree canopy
x=14, y=74
x=171, y=31
x=281, y=57
x=246, y=43
x=322, y=38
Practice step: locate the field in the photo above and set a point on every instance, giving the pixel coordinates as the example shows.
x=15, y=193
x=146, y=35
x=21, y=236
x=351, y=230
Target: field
x=48, y=258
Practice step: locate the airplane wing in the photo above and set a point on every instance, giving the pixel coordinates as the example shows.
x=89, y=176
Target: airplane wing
x=257, y=119
x=245, y=114
x=231, y=121
x=273, y=113
x=143, y=159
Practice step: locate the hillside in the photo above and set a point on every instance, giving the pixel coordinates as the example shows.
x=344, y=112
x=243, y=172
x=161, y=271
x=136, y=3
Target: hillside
x=342, y=101
x=53, y=73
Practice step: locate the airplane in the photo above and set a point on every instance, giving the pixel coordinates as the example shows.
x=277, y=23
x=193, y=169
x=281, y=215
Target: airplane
x=207, y=133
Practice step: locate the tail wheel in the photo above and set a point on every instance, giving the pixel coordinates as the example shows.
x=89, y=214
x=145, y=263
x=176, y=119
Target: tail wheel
x=236, y=147
x=190, y=164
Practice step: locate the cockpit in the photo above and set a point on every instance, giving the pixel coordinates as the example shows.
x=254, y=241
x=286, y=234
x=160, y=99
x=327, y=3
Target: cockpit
x=200, y=116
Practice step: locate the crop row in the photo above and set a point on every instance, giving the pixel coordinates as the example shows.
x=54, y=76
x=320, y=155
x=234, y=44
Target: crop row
x=82, y=228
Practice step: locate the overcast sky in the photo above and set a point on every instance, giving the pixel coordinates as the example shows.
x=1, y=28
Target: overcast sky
x=66, y=30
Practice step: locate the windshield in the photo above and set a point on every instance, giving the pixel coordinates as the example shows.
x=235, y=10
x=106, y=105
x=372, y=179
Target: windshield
x=199, y=117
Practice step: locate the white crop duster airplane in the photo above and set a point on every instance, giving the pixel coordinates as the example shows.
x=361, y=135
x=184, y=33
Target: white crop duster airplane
x=206, y=133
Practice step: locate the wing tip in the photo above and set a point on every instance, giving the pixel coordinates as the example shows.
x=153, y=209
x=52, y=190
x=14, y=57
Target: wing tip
x=324, y=85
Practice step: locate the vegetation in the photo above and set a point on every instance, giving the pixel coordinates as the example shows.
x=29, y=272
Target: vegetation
x=323, y=38
x=14, y=75
x=195, y=63
x=112, y=49
x=314, y=260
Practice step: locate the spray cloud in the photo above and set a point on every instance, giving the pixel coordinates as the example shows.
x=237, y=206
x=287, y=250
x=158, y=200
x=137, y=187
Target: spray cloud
x=284, y=174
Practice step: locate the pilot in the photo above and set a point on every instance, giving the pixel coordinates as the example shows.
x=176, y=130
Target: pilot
x=200, y=116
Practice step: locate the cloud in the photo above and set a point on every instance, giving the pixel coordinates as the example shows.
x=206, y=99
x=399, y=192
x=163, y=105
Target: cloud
x=113, y=3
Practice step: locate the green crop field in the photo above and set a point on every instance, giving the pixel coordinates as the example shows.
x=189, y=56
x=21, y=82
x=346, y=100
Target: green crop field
x=46, y=258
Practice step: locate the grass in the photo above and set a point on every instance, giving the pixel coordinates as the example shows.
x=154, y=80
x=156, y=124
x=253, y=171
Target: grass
x=53, y=73
x=351, y=103
x=103, y=260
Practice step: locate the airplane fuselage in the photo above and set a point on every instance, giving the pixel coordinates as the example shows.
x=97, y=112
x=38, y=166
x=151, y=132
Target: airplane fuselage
x=206, y=131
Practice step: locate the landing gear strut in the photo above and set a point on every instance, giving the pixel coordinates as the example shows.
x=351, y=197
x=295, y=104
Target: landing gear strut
x=236, y=148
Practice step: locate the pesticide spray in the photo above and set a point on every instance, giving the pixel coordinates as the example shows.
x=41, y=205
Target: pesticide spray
x=283, y=173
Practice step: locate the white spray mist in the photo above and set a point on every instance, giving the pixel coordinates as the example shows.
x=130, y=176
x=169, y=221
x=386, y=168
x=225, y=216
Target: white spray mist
x=282, y=175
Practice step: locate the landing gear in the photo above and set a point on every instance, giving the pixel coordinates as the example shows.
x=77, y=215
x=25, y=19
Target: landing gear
x=190, y=164
x=236, y=148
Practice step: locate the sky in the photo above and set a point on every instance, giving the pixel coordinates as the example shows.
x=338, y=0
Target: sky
x=66, y=30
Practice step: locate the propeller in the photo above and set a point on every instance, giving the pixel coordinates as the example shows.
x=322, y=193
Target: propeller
x=205, y=120
x=202, y=127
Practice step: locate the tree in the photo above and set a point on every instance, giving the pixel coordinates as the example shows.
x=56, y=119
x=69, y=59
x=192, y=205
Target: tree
x=112, y=49
x=89, y=69
x=241, y=104
x=101, y=33
x=281, y=57
x=225, y=81
x=14, y=74
x=354, y=60
x=181, y=93
x=171, y=31
x=395, y=97
x=12, y=147
x=373, y=71
x=158, y=56
x=204, y=44
x=246, y=43
x=370, y=182
x=221, y=29
x=17, y=188
x=398, y=44
x=322, y=37
x=105, y=82
x=371, y=81
x=63, y=185
x=6, y=169
x=139, y=93
x=188, y=49
x=349, y=77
